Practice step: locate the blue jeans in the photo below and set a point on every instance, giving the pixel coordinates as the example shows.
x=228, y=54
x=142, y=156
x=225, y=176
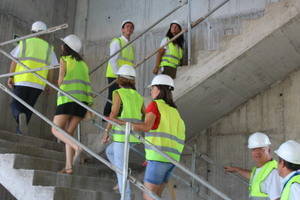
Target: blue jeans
x=158, y=172
x=115, y=154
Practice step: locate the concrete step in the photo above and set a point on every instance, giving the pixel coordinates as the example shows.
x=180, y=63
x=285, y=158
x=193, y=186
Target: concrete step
x=62, y=193
x=47, y=178
x=34, y=141
x=30, y=162
x=18, y=148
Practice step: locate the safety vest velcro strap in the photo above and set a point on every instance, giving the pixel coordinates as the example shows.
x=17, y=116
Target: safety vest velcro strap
x=165, y=60
x=34, y=59
x=75, y=92
x=126, y=59
x=66, y=82
x=259, y=198
x=164, y=149
x=164, y=135
x=171, y=56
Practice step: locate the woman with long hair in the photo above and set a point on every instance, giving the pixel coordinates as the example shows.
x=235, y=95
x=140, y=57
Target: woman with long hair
x=170, y=56
x=74, y=79
x=127, y=106
x=165, y=129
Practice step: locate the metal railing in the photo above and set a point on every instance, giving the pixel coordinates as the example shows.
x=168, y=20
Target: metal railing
x=5, y=89
x=127, y=129
x=140, y=35
x=195, y=23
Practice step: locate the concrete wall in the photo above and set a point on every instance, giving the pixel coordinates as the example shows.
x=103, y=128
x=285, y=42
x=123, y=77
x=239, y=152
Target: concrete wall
x=16, y=17
x=98, y=21
x=274, y=111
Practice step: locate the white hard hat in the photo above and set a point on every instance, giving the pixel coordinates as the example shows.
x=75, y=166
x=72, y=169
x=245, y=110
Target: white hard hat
x=289, y=151
x=73, y=42
x=176, y=22
x=127, y=71
x=162, y=79
x=257, y=140
x=38, y=26
x=127, y=21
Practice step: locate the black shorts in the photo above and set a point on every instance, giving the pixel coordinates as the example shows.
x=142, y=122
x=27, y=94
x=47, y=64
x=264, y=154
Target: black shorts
x=71, y=108
x=170, y=71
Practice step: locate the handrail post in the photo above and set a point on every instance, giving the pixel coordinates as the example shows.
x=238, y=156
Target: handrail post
x=126, y=160
x=193, y=168
x=107, y=163
x=79, y=132
x=183, y=168
x=189, y=33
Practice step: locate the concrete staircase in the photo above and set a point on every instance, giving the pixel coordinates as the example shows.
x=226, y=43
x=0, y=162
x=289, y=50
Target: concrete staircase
x=29, y=168
x=265, y=52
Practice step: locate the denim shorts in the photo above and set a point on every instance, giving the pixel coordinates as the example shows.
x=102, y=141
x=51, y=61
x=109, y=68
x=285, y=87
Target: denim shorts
x=158, y=172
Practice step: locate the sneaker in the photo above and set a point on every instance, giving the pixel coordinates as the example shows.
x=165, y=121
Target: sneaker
x=23, y=123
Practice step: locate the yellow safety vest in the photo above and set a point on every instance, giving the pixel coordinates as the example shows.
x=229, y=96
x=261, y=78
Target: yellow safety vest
x=172, y=56
x=34, y=53
x=126, y=57
x=132, y=103
x=285, y=195
x=169, y=137
x=76, y=82
x=255, y=192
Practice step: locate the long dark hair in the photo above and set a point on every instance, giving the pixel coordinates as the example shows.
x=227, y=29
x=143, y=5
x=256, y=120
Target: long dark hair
x=165, y=93
x=179, y=41
x=67, y=51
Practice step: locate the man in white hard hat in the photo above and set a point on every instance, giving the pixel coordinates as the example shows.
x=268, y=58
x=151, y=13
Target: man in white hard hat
x=289, y=169
x=125, y=57
x=264, y=179
x=33, y=52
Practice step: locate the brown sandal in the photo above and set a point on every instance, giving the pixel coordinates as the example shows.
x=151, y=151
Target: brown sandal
x=66, y=171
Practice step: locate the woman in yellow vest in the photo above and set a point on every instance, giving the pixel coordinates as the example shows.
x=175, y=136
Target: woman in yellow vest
x=165, y=129
x=170, y=56
x=73, y=79
x=128, y=106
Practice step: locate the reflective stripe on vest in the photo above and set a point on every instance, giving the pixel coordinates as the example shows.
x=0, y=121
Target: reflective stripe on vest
x=255, y=182
x=131, y=112
x=169, y=137
x=285, y=195
x=76, y=82
x=34, y=53
x=172, y=56
x=126, y=57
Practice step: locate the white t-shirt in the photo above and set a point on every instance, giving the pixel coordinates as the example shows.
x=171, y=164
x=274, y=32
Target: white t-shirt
x=295, y=187
x=271, y=185
x=113, y=48
x=164, y=41
x=15, y=53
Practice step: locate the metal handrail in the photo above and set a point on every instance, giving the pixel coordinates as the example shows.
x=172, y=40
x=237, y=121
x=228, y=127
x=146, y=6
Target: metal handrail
x=29, y=71
x=137, y=37
x=143, y=140
x=182, y=167
x=198, y=21
x=57, y=89
x=49, y=30
x=111, y=166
